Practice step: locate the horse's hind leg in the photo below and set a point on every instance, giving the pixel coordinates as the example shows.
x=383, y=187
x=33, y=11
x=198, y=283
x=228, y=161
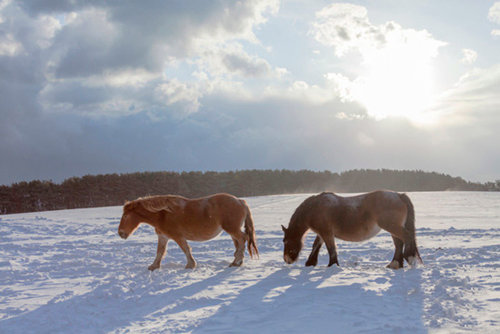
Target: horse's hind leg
x=239, y=243
x=397, y=260
x=313, y=257
x=191, y=263
x=160, y=252
x=332, y=250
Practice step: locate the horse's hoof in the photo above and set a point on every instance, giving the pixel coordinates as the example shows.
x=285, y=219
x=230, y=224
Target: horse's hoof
x=311, y=263
x=412, y=261
x=153, y=267
x=190, y=266
x=394, y=265
x=236, y=264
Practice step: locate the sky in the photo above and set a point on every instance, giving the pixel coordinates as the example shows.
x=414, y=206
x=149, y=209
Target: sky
x=96, y=87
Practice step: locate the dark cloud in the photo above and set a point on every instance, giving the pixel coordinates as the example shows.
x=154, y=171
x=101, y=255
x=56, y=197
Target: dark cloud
x=72, y=63
x=246, y=66
x=124, y=34
x=277, y=133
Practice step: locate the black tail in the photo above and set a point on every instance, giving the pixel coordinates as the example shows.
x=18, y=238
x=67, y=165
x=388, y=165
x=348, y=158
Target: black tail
x=250, y=232
x=410, y=240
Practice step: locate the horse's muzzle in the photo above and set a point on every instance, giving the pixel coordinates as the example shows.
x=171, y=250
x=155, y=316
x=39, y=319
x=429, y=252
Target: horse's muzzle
x=122, y=234
x=287, y=259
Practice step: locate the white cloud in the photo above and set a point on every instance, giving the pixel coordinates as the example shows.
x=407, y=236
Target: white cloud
x=136, y=78
x=176, y=92
x=21, y=33
x=396, y=74
x=494, y=13
x=342, y=85
x=476, y=96
x=230, y=59
x=346, y=28
x=8, y=45
x=469, y=56
x=494, y=16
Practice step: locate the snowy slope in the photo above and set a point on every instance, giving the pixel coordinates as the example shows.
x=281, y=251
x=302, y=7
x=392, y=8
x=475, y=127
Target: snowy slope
x=69, y=272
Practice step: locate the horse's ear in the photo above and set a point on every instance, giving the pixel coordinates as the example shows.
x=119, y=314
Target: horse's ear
x=128, y=205
x=283, y=228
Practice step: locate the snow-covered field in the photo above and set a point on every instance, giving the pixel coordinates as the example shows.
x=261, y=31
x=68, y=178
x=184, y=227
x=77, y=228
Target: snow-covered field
x=69, y=272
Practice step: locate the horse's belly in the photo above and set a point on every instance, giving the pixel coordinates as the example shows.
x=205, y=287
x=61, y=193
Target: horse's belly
x=202, y=234
x=360, y=234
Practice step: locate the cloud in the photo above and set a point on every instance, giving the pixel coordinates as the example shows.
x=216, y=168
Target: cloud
x=103, y=87
x=469, y=56
x=8, y=45
x=114, y=55
x=342, y=85
x=175, y=92
x=229, y=60
x=396, y=74
x=114, y=36
x=246, y=65
x=475, y=97
x=346, y=28
x=494, y=16
x=494, y=13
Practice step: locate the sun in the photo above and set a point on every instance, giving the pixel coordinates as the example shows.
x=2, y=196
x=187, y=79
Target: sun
x=397, y=82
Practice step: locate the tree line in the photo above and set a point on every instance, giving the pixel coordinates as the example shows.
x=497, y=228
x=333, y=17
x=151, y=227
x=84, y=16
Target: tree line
x=115, y=189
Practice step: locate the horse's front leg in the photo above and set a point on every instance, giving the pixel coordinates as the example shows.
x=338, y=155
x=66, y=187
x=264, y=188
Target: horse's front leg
x=191, y=263
x=160, y=252
x=332, y=250
x=313, y=257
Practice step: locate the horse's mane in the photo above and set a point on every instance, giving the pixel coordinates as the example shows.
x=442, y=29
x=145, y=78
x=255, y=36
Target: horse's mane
x=152, y=203
x=304, y=210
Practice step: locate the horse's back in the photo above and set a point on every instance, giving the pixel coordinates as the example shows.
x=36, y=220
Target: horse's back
x=382, y=202
x=359, y=217
x=204, y=218
x=389, y=211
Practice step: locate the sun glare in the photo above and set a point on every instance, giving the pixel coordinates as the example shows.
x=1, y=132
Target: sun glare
x=398, y=82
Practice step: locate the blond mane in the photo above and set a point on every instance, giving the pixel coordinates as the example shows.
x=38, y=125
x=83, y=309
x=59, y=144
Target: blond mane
x=153, y=203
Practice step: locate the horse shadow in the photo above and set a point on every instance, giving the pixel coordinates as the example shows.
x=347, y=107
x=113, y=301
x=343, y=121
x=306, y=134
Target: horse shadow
x=108, y=307
x=305, y=300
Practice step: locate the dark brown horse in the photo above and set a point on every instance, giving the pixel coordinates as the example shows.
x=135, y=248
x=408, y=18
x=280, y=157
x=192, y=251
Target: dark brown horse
x=182, y=219
x=354, y=218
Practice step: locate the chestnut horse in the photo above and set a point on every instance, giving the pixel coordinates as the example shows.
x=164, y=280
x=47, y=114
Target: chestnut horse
x=182, y=219
x=354, y=218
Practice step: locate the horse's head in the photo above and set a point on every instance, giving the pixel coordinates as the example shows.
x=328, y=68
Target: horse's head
x=129, y=222
x=293, y=246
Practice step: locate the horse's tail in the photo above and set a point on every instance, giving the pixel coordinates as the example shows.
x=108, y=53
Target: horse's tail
x=250, y=232
x=410, y=252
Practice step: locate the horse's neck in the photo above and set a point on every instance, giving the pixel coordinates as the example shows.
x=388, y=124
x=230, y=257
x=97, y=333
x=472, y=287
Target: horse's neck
x=298, y=228
x=147, y=217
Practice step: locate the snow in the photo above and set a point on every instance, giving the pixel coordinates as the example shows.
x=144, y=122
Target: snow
x=69, y=272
